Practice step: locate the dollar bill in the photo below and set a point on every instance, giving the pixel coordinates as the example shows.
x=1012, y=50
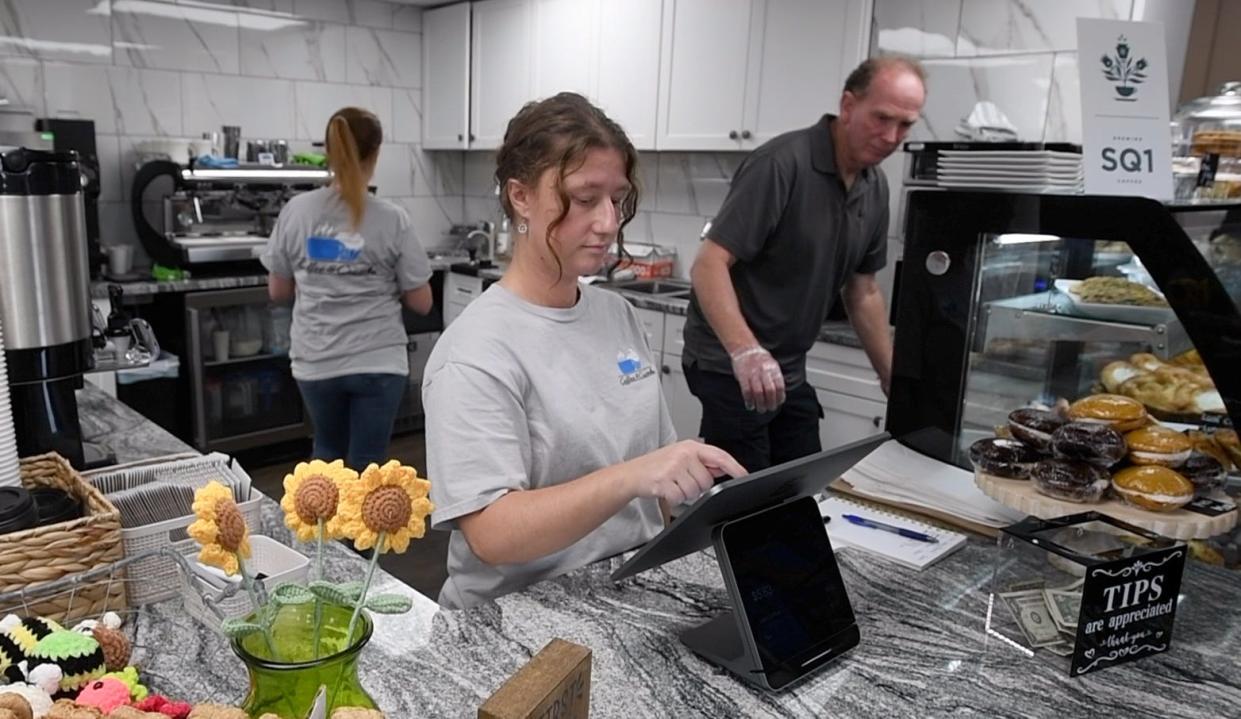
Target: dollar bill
x=1065, y=606
x=1026, y=585
x=1029, y=608
x=1061, y=649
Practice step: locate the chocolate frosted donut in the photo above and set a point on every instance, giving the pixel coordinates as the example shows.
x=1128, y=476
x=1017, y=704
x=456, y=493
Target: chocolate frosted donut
x=1035, y=426
x=1070, y=480
x=1204, y=471
x=1097, y=444
x=1003, y=457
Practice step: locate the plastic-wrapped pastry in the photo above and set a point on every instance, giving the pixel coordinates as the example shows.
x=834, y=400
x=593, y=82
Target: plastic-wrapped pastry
x=1152, y=487
x=1123, y=413
x=1206, y=444
x=1228, y=441
x=1070, y=480
x=1097, y=444
x=1204, y=471
x=1115, y=374
x=1155, y=444
x=1034, y=426
x=1003, y=457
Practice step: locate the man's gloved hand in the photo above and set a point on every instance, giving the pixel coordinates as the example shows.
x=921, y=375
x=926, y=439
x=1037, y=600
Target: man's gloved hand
x=760, y=378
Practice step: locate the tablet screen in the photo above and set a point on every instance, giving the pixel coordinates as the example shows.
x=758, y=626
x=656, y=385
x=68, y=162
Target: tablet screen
x=790, y=587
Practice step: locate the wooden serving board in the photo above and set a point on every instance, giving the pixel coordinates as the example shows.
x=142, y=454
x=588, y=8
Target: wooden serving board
x=1179, y=524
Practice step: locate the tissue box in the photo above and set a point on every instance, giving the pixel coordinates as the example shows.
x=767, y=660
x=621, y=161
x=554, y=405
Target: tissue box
x=1083, y=592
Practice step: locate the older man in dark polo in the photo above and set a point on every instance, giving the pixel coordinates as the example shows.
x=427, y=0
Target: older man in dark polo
x=806, y=220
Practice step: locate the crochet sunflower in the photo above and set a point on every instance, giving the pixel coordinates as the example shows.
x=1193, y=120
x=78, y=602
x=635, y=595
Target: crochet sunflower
x=220, y=528
x=389, y=502
x=312, y=494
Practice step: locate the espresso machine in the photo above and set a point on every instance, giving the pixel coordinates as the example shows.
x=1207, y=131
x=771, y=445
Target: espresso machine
x=44, y=297
x=189, y=215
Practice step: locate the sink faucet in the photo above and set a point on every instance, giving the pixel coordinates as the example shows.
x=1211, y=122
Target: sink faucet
x=472, y=248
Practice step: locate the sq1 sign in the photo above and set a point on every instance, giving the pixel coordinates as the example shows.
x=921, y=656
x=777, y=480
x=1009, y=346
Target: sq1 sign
x=1127, y=143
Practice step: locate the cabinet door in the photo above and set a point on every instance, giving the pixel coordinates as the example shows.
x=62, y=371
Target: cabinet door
x=801, y=53
x=500, y=76
x=847, y=419
x=703, y=73
x=653, y=327
x=563, y=48
x=446, y=77
x=627, y=86
x=684, y=407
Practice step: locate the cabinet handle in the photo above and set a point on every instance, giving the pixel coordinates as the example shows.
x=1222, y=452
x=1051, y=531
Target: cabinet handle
x=460, y=137
x=472, y=138
x=877, y=421
x=745, y=135
x=732, y=134
x=665, y=369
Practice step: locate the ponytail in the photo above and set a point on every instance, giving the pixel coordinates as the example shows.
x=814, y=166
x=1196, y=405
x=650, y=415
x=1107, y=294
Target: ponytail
x=353, y=137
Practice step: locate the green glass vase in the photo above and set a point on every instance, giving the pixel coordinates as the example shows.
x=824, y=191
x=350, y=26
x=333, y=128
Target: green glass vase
x=284, y=682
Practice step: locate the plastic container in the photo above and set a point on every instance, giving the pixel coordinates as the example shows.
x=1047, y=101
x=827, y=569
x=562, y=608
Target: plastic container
x=277, y=563
x=17, y=510
x=53, y=505
x=648, y=262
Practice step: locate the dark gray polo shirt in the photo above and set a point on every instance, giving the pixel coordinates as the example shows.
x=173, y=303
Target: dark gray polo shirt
x=798, y=236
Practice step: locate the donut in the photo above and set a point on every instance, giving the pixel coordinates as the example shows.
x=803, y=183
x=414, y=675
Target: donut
x=1034, y=426
x=1204, y=471
x=1097, y=444
x=1158, y=445
x=1003, y=457
x=1159, y=489
x=1070, y=480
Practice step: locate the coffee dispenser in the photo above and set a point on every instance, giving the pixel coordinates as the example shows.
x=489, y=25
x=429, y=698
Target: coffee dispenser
x=44, y=297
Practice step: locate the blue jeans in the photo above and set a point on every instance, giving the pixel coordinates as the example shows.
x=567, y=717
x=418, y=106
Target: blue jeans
x=353, y=416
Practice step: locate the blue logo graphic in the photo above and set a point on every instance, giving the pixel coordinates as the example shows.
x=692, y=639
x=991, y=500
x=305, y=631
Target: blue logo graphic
x=332, y=249
x=631, y=368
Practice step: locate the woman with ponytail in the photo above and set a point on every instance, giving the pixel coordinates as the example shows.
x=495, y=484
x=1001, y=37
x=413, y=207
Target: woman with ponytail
x=348, y=262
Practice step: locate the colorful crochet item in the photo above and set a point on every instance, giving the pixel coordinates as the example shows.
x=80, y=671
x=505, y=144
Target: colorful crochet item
x=160, y=703
x=129, y=676
x=115, y=647
x=80, y=657
x=104, y=694
x=29, y=631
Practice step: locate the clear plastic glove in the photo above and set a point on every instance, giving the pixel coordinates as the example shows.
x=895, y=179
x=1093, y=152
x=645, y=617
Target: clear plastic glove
x=760, y=378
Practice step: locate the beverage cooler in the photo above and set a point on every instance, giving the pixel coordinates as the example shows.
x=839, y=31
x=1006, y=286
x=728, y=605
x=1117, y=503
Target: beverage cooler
x=1009, y=299
x=243, y=393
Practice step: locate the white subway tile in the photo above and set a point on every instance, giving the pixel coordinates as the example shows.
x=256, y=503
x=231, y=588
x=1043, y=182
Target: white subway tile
x=315, y=102
x=77, y=30
x=921, y=28
x=263, y=108
x=22, y=83
x=996, y=27
x=406, y=115
x=176, y=37
x=384, y=57
x=305, y=51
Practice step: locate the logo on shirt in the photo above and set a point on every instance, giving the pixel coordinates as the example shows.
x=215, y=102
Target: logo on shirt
x=631, y=367
x=326, y=244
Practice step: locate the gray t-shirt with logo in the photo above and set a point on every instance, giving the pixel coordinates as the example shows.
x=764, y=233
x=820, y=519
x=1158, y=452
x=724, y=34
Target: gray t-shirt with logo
x=520, y=396
x=347, y=316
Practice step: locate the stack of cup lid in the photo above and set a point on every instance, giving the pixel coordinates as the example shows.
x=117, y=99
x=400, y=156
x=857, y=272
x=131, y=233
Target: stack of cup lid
x=10, y=471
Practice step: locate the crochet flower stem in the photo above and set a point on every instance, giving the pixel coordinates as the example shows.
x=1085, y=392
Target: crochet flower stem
x=248, y=582
x=319, y=576
x=366, y=585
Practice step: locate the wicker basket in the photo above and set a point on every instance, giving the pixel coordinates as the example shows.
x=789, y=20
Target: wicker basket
x=38, y=555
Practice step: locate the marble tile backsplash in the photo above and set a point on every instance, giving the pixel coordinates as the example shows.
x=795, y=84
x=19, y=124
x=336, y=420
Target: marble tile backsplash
x=153, y=69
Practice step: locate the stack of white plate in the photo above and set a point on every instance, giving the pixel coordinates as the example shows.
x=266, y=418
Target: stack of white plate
x=10, y=472
x=1024, y=170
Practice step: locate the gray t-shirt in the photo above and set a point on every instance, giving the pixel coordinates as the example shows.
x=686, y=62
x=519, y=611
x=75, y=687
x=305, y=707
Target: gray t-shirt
x=520, y=396
x=347, y=316
x=798, y=236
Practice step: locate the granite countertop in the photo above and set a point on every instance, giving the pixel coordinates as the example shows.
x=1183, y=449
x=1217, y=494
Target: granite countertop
x=110, y=423
x=923, y=651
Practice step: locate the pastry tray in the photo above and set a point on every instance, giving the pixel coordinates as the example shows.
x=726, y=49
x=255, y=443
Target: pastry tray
x=1050, y=316
x=1179, y=524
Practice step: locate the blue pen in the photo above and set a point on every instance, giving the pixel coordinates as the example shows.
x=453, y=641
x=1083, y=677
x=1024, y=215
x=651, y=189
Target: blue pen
x=872, y=524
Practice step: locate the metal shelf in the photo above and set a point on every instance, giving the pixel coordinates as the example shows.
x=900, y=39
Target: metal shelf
x=1048, y=316
x=241, y=360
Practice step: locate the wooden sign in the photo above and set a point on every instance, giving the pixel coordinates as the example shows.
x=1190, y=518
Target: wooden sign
x=554, y=684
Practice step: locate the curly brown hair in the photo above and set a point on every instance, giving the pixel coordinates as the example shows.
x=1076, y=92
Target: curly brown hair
x=557, y=133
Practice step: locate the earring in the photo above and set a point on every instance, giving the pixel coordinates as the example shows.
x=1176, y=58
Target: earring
x=522, y=227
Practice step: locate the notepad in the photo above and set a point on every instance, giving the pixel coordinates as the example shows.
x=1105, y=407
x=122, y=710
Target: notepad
x=909, y=552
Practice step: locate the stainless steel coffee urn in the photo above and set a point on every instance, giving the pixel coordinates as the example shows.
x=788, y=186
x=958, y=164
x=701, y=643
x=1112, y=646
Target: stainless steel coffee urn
x=44, y=297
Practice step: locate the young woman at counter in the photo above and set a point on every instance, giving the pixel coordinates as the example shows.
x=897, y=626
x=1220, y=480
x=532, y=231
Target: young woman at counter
x=548, y=441
x=351, y=260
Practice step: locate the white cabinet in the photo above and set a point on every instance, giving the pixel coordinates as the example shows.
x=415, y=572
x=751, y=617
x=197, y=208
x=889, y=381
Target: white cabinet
x=446, y=77
x=684, y=407
x=737, y=72
x=459, y=291
x=847, y=419
x=500, y=67
x=653, y=327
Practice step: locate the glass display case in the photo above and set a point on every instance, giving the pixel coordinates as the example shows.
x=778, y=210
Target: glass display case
x=1007, y=300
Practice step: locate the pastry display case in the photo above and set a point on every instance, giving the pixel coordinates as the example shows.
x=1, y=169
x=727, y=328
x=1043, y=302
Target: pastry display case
x=1032, y=311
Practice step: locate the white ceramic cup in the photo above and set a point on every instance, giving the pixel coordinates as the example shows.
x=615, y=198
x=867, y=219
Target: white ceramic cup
x=120, y=259
x=219, y=339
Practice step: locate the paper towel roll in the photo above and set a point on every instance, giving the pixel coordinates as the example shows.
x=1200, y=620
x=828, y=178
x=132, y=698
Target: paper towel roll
x=10, y=471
